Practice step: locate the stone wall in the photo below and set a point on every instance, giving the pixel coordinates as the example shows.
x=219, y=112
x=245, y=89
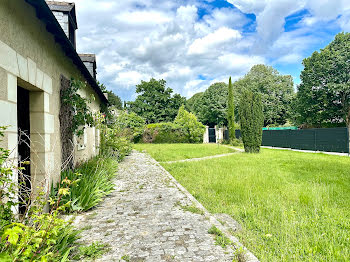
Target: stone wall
x=63, y=19
x=31, y=59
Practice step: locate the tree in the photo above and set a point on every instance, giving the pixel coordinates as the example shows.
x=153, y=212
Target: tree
x=155, y=102
x=231, y=110
x=211, y=106
x=276, y=90
x=323, y=97
x=194, y=103
x=114, y=100
x=251, y=120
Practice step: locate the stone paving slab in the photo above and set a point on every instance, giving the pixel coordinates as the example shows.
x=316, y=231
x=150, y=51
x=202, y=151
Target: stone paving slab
x=142, y=220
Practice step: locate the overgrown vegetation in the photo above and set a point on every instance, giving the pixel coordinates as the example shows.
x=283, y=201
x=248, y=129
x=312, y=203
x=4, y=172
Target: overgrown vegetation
x=292, y=206
x=82, y=115
x=91, y=252
x=93, y=182
x=192, y=208
x=115, y=138
x=251, y=119
x=35, y=235
x=220, y=238
x=184, y=129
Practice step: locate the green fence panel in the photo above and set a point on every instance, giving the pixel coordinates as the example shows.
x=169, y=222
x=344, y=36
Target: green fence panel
x=317, y=139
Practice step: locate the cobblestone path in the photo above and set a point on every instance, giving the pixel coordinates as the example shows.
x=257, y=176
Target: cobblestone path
x=144, y=219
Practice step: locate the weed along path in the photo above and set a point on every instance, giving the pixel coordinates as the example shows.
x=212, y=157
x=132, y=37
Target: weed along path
x=150, y=217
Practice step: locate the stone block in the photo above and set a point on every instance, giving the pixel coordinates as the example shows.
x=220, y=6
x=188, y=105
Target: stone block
x=42, y=123
x=40, y=143
x=39, y=102
x=39, y=78
x=12, y=141
x=9, y=115
x=12, y=87
x=8, y=59
x=31, y=71
x=23, y=67
x=47, y=84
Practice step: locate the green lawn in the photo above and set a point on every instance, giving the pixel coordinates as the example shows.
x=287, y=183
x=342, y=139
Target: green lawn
x=173, y=152
x=293, y=206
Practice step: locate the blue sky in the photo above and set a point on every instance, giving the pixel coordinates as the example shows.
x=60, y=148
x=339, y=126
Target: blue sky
x=194, y=43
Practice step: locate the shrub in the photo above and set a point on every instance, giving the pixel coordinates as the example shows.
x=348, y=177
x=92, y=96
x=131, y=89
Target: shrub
x=192, y=129
x=115, y=140
x=164, y=133
x=185, y=129
x=132, y=122
x=94, y=181
x=251, y=120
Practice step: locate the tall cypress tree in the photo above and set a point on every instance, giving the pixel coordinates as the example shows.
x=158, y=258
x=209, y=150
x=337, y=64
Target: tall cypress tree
x=231, y=110
x=251, y=120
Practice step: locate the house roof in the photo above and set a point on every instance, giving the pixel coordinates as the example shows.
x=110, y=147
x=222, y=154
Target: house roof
x=66, y=8
x=44, y=13
x=88, y=58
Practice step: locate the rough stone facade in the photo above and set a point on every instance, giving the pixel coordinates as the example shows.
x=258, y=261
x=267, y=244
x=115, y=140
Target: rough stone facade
x=31, y=58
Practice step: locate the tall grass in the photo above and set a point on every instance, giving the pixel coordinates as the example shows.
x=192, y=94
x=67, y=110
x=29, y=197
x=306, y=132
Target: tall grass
x=94, y=182
x=292, y=206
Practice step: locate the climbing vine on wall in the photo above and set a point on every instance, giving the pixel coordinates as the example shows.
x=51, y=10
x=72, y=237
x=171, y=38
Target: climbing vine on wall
x=82, y=116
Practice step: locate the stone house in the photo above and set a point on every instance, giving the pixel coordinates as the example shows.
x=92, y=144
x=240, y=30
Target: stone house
x=37, y=58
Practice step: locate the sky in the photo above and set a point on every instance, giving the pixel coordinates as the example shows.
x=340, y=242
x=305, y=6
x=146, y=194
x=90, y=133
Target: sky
x=194, y=43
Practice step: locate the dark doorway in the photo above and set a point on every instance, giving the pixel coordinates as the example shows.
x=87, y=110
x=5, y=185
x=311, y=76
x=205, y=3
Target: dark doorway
x=24, y=177
x=212, y=135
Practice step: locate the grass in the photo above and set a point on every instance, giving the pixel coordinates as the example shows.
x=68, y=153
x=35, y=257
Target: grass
x=220, y=238
x=92, y=252
x=193, y=209
x=174, y=152
x=292, y=206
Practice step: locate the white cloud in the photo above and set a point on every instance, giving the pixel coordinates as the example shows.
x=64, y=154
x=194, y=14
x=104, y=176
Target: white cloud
x=191, y=43
x=219, y=37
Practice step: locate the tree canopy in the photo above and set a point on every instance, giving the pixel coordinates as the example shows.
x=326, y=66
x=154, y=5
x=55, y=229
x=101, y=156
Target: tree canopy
x=155, y=102
x=231, y=110
x=323, y=96
x=210, y=107
x=114, y=100
x=276, y=92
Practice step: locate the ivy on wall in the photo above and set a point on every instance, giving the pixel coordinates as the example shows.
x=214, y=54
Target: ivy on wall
x=82, y=115
x=74, y=116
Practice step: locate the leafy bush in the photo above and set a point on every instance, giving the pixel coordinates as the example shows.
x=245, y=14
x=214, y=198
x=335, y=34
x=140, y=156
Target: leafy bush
x=185, y=129
x=132, y=122
x=193, y=129
x=164, y=133
x=115, y=140
x=94, y=181
x=252, y=120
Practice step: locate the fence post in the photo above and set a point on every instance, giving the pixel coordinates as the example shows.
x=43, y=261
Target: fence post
x=315, y=138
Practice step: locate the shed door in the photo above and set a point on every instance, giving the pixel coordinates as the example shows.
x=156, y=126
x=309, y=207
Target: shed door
x=212, y=135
